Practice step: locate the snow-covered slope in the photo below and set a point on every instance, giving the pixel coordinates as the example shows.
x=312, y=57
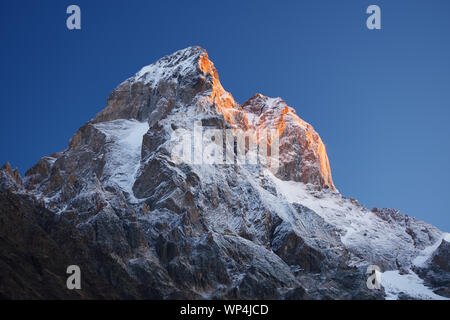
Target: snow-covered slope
x=426, y=254
x=396, y=284
x=388, y=243
x=123, y=157
x=372, y=239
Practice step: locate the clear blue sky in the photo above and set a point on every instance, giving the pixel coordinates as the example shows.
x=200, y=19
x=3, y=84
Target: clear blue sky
x=379, y=99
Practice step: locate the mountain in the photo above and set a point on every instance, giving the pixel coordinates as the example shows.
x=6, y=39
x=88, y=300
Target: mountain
x=144, y=220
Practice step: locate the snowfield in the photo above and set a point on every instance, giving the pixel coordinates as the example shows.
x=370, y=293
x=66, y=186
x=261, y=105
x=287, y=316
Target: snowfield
x=395, y=283
x=370, y=237
x=124, y=142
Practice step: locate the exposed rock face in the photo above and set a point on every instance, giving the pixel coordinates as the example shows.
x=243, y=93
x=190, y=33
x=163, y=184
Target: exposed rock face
x=37, y=247
x=302, y=153
x=10, y=179
x=436, y=269
x=147, y=226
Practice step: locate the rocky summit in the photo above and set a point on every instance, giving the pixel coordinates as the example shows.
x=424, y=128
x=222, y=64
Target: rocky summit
x=141, y=225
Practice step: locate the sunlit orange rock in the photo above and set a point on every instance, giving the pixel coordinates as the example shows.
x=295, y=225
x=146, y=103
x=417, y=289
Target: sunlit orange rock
x=303, y=155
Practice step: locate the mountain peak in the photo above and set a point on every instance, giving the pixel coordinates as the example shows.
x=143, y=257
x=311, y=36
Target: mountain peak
x=302, y=153
x=187, y=82
x=180, y=63
x=184, y=77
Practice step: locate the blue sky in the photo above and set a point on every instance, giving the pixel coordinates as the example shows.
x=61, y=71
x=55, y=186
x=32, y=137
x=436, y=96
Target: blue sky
x=379, y=99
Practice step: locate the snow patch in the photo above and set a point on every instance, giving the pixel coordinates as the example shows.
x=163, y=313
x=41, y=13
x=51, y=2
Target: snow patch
x=447, y=237
x=181, y=62
x=395, y=283
x=124, y=143
x=425, y=254
x=367, y=235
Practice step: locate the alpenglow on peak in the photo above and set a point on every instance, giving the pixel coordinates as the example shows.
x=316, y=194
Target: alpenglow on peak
x=189, y=79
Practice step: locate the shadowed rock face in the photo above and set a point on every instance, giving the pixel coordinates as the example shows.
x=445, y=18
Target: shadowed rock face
x=436, y=271
x=144, y=226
